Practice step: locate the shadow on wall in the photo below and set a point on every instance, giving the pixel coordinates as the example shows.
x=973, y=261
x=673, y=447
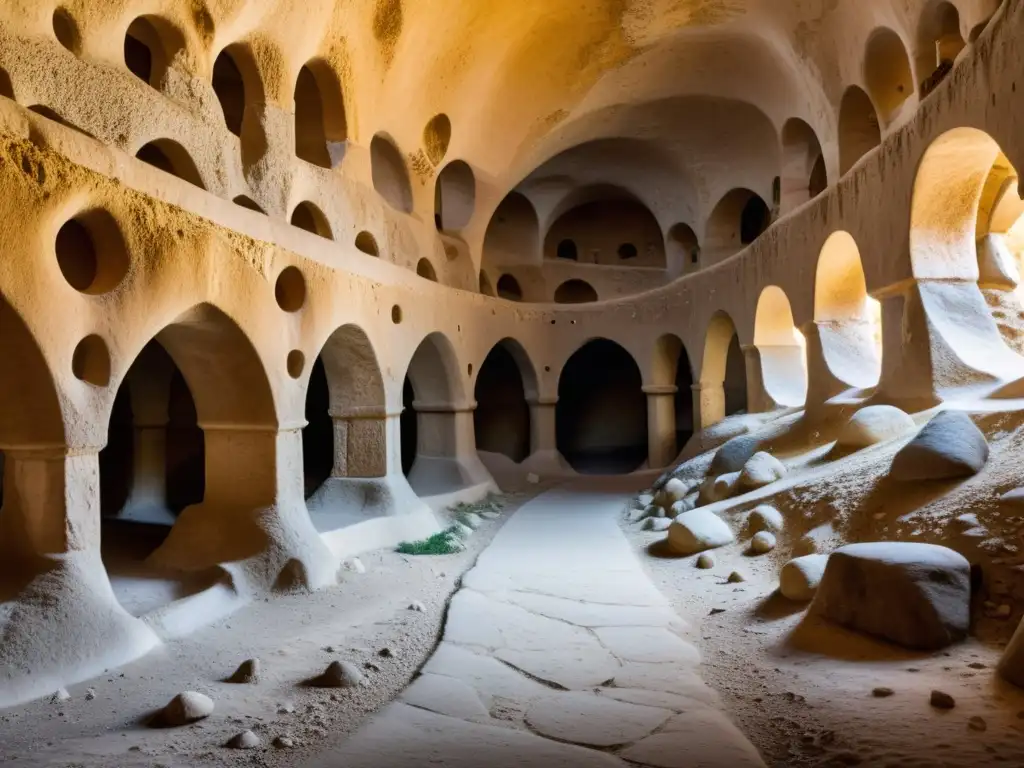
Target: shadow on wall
x=601, y=417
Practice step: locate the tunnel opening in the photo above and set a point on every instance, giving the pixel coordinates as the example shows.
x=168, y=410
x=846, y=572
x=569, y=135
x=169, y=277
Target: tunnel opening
x=318, y=434
x=601, y=416
x=230, y=89
x=170, y=157
x=502, y=417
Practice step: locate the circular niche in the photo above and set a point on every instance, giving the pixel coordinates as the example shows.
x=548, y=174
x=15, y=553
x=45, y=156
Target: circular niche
x=290, y=290
x=396, y=314
x=296, y=363
x=367, y=243
x=91, y=361
x=66, y=30
x=436, y=138
x=91, y=253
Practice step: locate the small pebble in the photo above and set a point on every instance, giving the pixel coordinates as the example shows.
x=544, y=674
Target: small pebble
x=284, y=742
x=90, y=694
x=417, y=606
x=977, y=665
x=706, y=562
x=977, y=724
x=941, y=700
x=244, y=740
x=716, y=611
x=882, y=693
x=736, y=577
x=386, y=653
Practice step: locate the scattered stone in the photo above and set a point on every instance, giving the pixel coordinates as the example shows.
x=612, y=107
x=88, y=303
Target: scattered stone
x=716, y=611
x=915, y=595
x=706, y=561
x=417, y=606
x=244, y=740
x=61, y=694
x=736, y=578
x=1013, y=498
x=90, y=694
x=659, y=524
x=248, y=672
x=645, y=499
x=762, y=469
x=801, y=576
x=683, y=506
x=674, y=490
x=942, y=700
x=286, y=709
x=733, y=455
x=185, y=708
x=763, y=542
x=969, y=520
x=386, y=653
x=718, y=489
x=355, y=565
x=977, y=665
x=882, y=693
x=284, y=742
x=371, y=666
x=471, y=520
x=697, y=531
x=765, y=518
x=949, y=446
x=532, y=478
x=977, y=723
x=340, y=674
x=875, y=424
x=655, y=511
x=462, y=530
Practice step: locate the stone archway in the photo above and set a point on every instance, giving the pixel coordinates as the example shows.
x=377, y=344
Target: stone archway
x=505, y=386
x=781, y=349
x=723, y=373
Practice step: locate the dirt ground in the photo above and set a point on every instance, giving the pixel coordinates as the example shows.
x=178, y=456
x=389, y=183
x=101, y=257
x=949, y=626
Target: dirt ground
x=295, y=637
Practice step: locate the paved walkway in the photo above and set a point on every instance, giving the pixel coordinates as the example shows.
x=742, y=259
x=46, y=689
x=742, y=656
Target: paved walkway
x=557, y=652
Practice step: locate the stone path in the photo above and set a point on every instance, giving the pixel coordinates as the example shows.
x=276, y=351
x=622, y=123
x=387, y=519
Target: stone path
x=557, y=651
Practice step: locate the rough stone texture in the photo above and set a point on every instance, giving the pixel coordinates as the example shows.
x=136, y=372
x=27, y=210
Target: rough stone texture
x=732, y=456
x=185, y=708
x=949, y=446
x=996, y=265
x=446, y=696
x=697, y=531
x=248, y=672
x=713, y=741
x=760, y=470
x=875, y=424
x=801, y=576
x=915, y=595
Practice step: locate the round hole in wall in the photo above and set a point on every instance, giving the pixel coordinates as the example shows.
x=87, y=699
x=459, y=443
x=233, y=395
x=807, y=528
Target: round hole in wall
x=451, y=252
x=628, y=251
x=290, y=289
x=66, y=30
x=469, y=369
x=91, y=253
x=367, y=243
x=396, y=314
x=437, y=135
x=553, y=322
x=91, y=361
x=547, y=369
x=296, y=363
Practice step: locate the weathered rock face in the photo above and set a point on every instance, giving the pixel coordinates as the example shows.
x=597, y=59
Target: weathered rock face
x=801, y=576
x=733, y=455
x=996, y=265
x=949, y=446
x=875, y=424
x=915, y=595
x=762, y=469
x=697, y=531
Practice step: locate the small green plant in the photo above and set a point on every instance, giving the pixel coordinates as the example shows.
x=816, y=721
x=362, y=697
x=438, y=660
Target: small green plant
x=447, y=542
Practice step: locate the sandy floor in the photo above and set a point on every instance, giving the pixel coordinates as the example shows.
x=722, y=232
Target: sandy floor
x=802, y=692
x=295, y=638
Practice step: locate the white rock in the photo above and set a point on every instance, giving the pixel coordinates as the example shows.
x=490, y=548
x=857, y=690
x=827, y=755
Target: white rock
x=645, y=499
x=683, y=506
x=674, y=490
x=763, y=542
x=949, y=446
x=733, y=455
x=762, y=469
x=875, y=424
x=718, y=489
x=915, y=595
x=186, y=708
x=765, y=518
x=355, y=565
x=697, y=531
x=61, y=694
x=801, y=576
x=655, y=511
x=657, y=524
x=532, y=478
x=245, y=740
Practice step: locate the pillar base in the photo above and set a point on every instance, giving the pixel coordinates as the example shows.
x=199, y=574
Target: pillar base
x=152, y=513
x=268, y=549
x=345, y=501
x=65, y=626
x=443, y=475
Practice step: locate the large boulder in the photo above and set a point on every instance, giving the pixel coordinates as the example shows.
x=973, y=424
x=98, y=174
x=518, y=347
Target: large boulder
x=949, y=446
x=760, y=470
x=733, y=455
x=801, y=577
x=915, y=595
x=697, y=531
x=875, y=424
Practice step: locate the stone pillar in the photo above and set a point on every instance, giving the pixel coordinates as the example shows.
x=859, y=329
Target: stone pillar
x=51, y=504
x=708, y=404
x=907, y=379
x=545, y=458
x=361, y=442
x=253, y=514
x=661, y=425
x=822, y=384
x=758, y=399
x=446, y=458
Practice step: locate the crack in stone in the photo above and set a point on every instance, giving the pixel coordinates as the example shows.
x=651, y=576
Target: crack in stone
x=530, y=676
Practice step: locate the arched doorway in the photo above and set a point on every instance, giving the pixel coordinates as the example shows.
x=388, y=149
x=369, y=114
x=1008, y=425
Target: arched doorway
x=847, y=321
x=782, y=349
x=803, y=165
x=170, y=157
x=738, y=219
x=321, y=128
x=513, y=234
x=723, y=373
x=575, y=292
x=939, y=42
x=390, y=176
x=601, y=417
x=887, y=73
x=454, y=197
x=682, y=251
x=502, y=417
x=859, y=131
